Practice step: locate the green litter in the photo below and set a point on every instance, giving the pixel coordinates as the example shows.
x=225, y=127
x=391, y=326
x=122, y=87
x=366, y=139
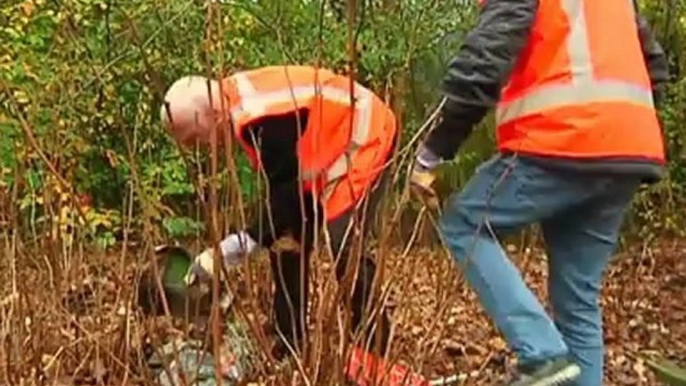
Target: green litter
x=668, y=372
x=194, y=364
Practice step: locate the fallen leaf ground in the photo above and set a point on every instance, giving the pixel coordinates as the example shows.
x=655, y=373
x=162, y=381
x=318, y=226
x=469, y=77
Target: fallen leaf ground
x=78, y=329
x=644, y=303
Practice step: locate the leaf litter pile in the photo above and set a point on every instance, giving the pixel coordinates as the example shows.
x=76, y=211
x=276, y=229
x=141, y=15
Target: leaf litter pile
x=644, y=310
x=75, y=326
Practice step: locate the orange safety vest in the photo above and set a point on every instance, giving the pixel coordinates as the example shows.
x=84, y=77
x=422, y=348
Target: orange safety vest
x=343, y=148
x=580, y=87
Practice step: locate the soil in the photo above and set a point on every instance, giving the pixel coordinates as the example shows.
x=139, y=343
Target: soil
x=71, y=320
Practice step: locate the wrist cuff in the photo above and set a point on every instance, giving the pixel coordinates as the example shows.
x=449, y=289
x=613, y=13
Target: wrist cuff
x=427, y=159
x=242, y=239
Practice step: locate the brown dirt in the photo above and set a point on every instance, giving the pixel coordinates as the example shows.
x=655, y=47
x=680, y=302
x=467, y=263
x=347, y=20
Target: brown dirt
x=73, y=326
x=644, y=302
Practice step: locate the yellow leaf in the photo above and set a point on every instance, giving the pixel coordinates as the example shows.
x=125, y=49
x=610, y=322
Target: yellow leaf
x=21, y=97
x=112, y=158
x=29, y=72
x=64, y=213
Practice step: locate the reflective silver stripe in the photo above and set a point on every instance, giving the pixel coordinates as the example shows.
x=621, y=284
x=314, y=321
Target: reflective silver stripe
x=583, y=88
x=556, y=96
x=364, y=119
x=249, y=98
x=359, y=136
x=577, y=45
x=255, y=104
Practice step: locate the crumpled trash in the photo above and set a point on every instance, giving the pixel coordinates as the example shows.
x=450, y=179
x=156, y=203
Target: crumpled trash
x=196, y=364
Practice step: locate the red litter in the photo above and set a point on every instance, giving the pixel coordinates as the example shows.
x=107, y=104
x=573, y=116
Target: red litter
x=362, y=366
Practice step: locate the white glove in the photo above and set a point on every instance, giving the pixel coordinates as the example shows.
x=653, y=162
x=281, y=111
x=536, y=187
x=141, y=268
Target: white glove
x=233, y=248
x=423, y=177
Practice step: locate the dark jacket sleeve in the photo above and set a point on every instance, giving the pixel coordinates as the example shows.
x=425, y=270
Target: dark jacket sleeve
x=279, y=215
x=482, y=66
x=653, y=54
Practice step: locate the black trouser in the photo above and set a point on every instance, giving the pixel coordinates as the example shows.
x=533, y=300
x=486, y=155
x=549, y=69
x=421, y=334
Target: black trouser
x=290, y=268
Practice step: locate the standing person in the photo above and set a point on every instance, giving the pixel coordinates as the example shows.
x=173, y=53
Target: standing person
x=577, y=133
x=286, y=117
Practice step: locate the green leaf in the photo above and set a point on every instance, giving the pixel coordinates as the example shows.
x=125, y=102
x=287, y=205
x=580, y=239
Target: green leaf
x=668, y=372
x=174, y=188
x=181, y=226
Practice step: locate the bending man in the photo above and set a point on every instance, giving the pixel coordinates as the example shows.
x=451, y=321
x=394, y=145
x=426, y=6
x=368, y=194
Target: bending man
x=286, y=118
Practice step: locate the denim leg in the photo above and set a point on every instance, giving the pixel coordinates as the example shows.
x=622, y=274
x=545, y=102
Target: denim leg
x=504, y=195
x=580, y=245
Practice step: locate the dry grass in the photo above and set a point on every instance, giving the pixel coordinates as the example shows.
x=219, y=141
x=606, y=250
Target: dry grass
x=67, y=314
x=68, y=319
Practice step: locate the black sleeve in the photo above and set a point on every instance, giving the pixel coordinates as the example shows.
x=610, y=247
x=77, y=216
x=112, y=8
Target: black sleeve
x=277, y=137
x=653, y=54
x=282, y=215
x=476, y=75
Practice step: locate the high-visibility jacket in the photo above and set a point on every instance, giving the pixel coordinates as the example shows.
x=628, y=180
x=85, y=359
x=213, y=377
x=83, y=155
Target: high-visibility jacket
x=344, y=146
x=580, y=88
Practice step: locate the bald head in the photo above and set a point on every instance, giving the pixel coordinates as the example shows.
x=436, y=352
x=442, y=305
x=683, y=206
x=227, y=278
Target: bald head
x=192, y=115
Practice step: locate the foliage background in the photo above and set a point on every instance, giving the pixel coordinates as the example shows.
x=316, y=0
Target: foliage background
x=86, y=77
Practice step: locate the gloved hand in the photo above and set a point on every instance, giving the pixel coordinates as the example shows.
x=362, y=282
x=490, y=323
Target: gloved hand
x=423, y=177
x=233, y=248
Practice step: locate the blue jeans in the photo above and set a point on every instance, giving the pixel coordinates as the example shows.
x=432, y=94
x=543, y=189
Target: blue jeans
x=580, y=216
